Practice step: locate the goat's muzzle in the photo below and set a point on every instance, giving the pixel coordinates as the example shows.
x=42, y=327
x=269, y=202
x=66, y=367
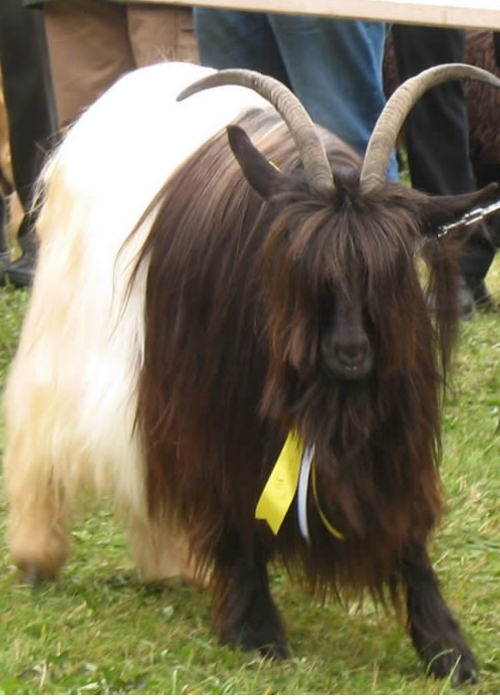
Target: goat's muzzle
x=348, y=359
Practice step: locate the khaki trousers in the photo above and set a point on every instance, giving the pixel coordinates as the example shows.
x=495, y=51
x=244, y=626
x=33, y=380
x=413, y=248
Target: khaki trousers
x=92, y=43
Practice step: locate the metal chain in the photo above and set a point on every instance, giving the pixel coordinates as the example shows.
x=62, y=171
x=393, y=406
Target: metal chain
x=470, y=218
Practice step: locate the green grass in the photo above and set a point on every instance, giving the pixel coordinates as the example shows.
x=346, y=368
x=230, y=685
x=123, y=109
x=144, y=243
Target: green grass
x=97, y=630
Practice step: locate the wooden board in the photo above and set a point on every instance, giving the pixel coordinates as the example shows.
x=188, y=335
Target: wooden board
x=447, y=13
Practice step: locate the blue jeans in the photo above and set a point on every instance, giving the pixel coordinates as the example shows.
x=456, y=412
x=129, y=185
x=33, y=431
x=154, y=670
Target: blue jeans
x=333, y=66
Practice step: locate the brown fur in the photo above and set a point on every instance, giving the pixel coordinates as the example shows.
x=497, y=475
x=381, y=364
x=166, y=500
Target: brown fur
x=236, y=289
x=246, y=301
x=253, y=309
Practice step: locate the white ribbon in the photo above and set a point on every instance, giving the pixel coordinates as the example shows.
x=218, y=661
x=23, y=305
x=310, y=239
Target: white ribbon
x=303, y=489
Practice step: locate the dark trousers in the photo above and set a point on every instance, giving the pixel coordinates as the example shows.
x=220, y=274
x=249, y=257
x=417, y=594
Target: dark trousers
x=436, y=131
x=496, y=45
x=28, y=92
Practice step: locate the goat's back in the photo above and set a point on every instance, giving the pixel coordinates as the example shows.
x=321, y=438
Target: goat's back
x=75, y=366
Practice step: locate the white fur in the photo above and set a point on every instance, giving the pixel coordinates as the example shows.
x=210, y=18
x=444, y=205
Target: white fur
x=71, y=393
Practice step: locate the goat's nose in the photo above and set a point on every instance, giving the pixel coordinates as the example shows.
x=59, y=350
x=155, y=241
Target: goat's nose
x=352, y=353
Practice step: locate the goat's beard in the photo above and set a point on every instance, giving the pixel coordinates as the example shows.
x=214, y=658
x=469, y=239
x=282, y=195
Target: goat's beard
x=338, y=417
x=341, y=420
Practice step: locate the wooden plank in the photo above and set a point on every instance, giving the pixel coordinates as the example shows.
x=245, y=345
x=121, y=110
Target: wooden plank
x=483, y=14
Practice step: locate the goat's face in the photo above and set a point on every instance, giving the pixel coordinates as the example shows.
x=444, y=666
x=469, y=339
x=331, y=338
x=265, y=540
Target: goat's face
x=345, y=351
x=341, y=290
x=338, y=225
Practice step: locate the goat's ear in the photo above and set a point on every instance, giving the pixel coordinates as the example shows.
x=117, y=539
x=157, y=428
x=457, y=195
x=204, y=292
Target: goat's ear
x=265, y=178
x=445, y=209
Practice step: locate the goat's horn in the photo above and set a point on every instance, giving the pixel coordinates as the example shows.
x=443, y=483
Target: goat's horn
x=396, y=110
x=302, y=128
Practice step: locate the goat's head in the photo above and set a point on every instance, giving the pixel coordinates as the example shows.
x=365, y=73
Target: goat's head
x=342, y=289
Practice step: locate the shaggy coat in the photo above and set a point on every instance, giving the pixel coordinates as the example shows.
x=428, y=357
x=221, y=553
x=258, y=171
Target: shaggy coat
x=193, y=304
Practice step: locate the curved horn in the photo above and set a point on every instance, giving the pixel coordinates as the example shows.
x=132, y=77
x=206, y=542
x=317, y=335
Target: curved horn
x=396, y=110
x=302, y=128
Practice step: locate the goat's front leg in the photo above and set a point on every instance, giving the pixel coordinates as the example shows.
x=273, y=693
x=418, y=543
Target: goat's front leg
x=245, y=614
x=435, y=634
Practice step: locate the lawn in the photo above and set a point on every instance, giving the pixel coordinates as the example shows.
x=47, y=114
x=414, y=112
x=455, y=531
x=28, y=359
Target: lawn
x=98, y=630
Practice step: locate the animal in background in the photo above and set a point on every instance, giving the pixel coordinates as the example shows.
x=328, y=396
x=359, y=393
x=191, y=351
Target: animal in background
x=218, y=278
x=483, y=109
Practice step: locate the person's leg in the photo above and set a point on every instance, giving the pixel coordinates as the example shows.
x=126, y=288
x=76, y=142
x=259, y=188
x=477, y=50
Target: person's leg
x=233, y=39
x=4, y=242
x=496, y=46
x=6, y=184
x=162, y=32
x=436, y=133
x=89, y=50
x=437, y=139
x=335, y=68
x=32, y=117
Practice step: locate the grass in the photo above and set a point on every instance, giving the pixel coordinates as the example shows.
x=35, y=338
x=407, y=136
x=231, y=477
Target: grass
x=98, y=630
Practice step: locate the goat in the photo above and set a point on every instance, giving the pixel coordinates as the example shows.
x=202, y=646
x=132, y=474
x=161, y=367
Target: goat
x=202, y=299
x=483, y=110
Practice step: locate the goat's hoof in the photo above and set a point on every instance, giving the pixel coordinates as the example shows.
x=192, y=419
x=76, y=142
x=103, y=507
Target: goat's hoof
x=276, y=650
x=459, y=668
x=465, y=671
x=32, y=575
x=270, y=647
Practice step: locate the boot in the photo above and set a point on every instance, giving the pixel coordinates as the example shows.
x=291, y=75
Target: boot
x=21, y=272
x=4, y=243
x=475, y=262
x=32, y=117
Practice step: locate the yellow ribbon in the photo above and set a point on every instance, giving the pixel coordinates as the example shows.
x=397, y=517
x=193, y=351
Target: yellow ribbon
x=281, y=486
x=279, y=491
x=332, y=530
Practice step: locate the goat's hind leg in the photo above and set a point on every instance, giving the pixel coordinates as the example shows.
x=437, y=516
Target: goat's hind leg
x=245, y=615
x=435, y=634
x=38, y=519
x=160, y=550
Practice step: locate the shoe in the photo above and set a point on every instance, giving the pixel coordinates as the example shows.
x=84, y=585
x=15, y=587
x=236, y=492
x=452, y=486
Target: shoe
x=21, y=272
x=4, y=261
x=4, y=242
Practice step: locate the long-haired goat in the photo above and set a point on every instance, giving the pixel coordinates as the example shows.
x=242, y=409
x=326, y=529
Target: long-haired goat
x=200, y=300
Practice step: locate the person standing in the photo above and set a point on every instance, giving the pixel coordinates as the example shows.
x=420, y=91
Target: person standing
x=333, y=66
x=32, y=121
x=92, y=43
x=437, y=144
